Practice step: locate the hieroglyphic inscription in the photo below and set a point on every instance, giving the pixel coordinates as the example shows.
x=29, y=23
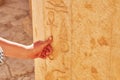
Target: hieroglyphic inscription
x=57, y=25
x=91, y=35
x=51, y=18
x=84, y=29
x=56, y=5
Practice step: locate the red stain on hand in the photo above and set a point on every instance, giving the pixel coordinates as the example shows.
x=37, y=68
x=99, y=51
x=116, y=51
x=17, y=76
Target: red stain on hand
x=42, y=49
x=46, y=52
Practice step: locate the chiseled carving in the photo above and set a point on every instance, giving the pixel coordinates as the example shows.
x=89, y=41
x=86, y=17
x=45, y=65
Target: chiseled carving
x=51, y=18
x=56, y=16
x=56, y=5
x=64, y=37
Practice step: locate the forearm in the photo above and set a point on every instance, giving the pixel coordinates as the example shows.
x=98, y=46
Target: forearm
x=16, y=50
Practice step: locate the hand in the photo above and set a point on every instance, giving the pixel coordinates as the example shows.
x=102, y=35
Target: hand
x=42, y=49
x=46, y=52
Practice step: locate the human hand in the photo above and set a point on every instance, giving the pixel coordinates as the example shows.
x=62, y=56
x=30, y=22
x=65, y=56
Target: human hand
x=42, y=49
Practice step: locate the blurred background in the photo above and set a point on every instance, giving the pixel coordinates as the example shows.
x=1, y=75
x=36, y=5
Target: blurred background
x=15, y=25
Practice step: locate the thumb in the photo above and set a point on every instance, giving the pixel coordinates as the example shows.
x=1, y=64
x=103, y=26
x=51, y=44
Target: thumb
x=47, y=42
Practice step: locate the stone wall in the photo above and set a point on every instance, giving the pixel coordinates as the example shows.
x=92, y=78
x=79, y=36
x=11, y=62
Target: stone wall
x=86, y=36
x=15, y=25
x=1, y=2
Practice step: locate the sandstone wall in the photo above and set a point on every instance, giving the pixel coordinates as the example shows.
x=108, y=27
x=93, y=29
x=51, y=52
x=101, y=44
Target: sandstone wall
x=86, y=39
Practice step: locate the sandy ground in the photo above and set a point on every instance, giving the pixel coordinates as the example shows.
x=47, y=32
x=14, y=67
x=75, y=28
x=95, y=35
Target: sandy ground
x=12, y=16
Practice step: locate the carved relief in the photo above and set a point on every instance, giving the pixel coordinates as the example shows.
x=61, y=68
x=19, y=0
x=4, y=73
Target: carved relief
x=56, y=15
x=87, y=17
x=102, y=41
x=56, y=5
x=88, y=41
x=64, y=37
x=51, y=18
x=88, y=6
x=56, y=75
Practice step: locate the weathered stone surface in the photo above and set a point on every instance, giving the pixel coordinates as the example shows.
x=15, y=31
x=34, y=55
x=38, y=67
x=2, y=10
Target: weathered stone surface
x=4, y=72
x=12, y=14
x=21, y=68
x=86, y=39
x=2, y=2
x=27, y=26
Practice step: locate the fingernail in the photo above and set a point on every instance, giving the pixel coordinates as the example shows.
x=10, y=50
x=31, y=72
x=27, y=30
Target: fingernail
x=51, y=37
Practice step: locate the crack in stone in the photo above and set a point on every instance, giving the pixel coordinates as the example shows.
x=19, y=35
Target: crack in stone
x=10, y=73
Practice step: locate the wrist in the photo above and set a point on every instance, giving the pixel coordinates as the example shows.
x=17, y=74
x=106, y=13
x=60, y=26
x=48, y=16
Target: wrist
x=30, y=51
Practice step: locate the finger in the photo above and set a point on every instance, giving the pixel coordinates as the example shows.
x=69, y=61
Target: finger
x=49, y=49
x=43, y=54
x=46, y=52
x=47, y=42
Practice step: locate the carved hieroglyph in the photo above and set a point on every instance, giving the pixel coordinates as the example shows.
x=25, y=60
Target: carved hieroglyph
x=56, y=20
x=85, y=39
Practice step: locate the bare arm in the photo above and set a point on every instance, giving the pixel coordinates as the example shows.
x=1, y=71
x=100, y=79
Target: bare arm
x=12, y=49
x=16, y=50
